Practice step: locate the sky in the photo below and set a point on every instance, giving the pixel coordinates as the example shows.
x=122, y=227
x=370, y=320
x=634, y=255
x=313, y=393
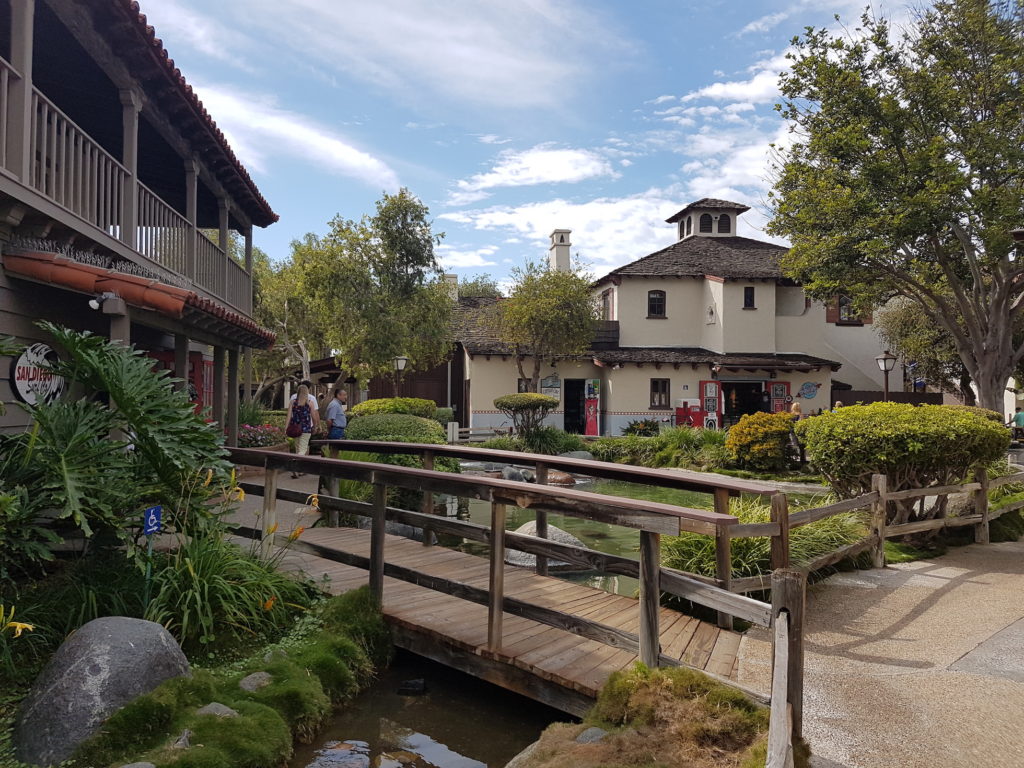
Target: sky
x=507, y=119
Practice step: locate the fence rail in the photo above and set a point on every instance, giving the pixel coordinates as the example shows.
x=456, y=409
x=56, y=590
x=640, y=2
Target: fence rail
x=209, y=265
x=238, y=290
x=162, y=233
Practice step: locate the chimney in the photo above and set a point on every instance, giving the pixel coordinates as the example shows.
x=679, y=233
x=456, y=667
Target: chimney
x=558, y=253
x=452, y=282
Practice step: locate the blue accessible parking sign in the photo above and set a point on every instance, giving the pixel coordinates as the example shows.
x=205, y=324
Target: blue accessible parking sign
x=151, y=520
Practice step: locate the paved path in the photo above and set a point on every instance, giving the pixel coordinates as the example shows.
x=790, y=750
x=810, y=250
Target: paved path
x=920, y=664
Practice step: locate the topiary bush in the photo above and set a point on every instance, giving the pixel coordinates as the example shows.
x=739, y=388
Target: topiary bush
x=414, y=406
x=984, y=412
x=760, y=441
x=396, y=427
x=526, y=409
x=913, y=446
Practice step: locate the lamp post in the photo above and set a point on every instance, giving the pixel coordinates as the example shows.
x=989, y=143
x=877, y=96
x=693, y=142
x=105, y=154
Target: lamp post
x=886, y=362
x=400, y=362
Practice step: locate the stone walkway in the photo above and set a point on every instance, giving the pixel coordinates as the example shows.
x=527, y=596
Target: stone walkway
x=920, y=664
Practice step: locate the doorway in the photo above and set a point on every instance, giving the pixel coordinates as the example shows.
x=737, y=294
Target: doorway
x=575, y=415
x=741, y=398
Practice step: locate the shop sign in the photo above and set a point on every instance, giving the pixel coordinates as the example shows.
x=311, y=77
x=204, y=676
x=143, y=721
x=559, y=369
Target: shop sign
x=31, y=378
x=551, y=386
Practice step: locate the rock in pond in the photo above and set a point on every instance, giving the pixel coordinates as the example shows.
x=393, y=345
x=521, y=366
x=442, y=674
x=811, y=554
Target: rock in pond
x=100, y=668
x=342, y=754
x=514, y=473
x=527, y=560
x=556, y=477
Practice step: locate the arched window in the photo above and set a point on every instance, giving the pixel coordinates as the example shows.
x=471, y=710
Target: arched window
x=655, y=303
x=847, y=313
x=723, y=223
x=706, y=224
x=689, y=225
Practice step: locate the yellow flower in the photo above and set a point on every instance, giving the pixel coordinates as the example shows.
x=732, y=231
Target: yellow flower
x=232, y=477
x=314, y=501
x=19, y=627
x=296, y=533
x=209, y=478
x=271, y=529
x=269, y=603
x=239, y=494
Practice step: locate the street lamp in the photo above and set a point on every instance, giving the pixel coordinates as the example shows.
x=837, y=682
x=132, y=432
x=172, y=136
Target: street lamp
x=400, y=362
x=886, y=362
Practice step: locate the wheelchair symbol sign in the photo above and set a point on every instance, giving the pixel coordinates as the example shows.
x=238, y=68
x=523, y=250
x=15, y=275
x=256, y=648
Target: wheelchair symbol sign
x=151, y=520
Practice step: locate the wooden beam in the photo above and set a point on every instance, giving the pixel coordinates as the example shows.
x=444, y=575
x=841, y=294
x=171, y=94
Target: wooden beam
x=723, y=553
x=496, y=602
x=650, y=596
x=377, y=530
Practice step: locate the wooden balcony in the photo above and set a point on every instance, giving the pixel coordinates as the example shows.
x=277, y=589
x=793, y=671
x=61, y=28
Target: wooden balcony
x=69, y=168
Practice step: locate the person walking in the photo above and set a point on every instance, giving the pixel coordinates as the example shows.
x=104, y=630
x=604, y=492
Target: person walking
x=303, y=419
x=1017, y=422
x=336, y=418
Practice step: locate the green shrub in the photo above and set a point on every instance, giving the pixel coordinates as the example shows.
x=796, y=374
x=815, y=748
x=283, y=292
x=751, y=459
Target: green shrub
x=914, y=446
x=751, y=556
x=760, y=441
x=414, y=406
x=296, y=695
x=526, y=409
x=444, y=415
x=396, y=427
x=551, y=441
x=642, y=428
x=504, y=443
x=983, y=412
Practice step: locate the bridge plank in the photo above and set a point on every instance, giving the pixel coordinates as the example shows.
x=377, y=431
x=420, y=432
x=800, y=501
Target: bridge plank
x=699, y=649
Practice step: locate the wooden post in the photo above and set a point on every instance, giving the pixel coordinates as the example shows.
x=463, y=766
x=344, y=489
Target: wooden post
x=232, y=405
x=378, y=519
x=981, y=530
x=879, y=484
x=650, y=594
x=427, y=507
x=788, y=594
x=723, y=552
x=269, y=511
x=541, y=478
x=497, y=581
x=780, y=543
x=218, y=386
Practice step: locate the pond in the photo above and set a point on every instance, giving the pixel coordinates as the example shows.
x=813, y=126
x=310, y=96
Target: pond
x=460, y=722
x=611, y=539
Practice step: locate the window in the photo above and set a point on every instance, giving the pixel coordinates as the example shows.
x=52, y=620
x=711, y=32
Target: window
x=655, y=303
x=748, y=297
x=723, y=223
x=659, y=393
x=606, y=305
x=523, y=385
x=689, y=225
x=706, y=225
x=847, y=314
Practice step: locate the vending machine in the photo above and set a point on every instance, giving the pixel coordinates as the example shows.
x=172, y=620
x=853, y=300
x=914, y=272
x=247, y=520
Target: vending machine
x=688, y=412
x=709, y=413
x=591, y=407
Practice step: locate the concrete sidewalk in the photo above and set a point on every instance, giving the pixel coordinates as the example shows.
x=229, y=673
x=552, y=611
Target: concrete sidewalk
x=920, y=664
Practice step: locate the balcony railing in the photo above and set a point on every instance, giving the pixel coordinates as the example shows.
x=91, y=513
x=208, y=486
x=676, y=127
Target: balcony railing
x=72, y=170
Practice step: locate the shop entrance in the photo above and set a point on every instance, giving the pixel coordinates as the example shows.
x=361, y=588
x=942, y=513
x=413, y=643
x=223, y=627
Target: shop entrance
x=575, y=413
x=743, y=397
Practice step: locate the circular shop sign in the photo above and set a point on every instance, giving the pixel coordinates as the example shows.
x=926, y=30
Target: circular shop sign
x=31, y=378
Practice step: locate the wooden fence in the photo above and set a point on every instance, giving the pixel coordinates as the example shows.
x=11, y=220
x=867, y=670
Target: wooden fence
x=651, y=519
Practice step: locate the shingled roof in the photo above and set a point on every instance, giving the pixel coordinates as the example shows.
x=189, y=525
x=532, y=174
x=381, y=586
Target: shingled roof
x=474, y=329
x=700, y=356
x=727, y=257
x=709, y=203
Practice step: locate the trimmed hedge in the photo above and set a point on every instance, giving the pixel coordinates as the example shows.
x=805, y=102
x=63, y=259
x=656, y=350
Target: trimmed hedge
x=526, y=409
x=397, y=427
x=760, y=441
x=914, y=446
x=414, y=406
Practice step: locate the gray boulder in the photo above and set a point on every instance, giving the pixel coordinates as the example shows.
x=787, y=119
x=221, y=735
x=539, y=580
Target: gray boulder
x=100, y=668
x=591, y=735
x=217, y=709
x=513, y=473
x=255, y=681
x=527, y=560
x=578, y=455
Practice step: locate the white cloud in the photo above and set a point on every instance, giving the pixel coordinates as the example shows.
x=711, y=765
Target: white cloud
x=453, y=258
x=661, y=99
x=764, y=23
x=256, y=127
x=542, y=164
x=492, y=138
x=607, y=232
x=200, y=32
x=761, y=88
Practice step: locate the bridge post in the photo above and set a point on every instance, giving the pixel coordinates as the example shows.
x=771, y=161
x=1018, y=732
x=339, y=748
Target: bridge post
x=427, y=507
x=377, y=525
x=496, y=603
x=981, y=530
x=269, y=511
x=650, y=594
x=541, y=478
x=723, y=552
x=789, y=587
x=879, y=483
x=780, y=543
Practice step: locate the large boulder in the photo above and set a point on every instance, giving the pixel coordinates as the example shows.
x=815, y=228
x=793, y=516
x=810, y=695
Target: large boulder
x=556, y=534
x=100, y=668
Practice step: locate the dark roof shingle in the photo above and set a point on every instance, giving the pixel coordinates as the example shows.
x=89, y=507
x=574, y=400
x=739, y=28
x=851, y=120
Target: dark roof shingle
x=727, y=257
x=709, y=202
x=701, y=356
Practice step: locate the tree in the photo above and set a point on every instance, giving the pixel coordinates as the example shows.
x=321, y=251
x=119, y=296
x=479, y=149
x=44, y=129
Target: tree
x=910, y=333
x=379, y=288
x=479, y=286
x=904, y=179
x=549, y=314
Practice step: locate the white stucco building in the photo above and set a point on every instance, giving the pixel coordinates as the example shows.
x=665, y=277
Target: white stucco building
x=701, y=331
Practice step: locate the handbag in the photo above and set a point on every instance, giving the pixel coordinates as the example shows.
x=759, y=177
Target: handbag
x=294, y=429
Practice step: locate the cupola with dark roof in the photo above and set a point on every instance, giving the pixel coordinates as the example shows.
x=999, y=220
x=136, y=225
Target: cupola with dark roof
x=708, y=217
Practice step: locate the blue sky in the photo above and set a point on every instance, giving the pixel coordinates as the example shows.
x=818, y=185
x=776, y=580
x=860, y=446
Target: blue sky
x=507, y=119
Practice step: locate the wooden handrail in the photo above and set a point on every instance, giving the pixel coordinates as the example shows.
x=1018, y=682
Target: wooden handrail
x=676, y=479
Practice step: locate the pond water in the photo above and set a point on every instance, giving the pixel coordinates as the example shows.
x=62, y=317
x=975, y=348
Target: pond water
x=460, y=722
x=611, y=539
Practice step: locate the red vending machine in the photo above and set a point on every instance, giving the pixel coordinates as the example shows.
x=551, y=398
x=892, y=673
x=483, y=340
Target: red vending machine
x=709, y=415
x=591, y=407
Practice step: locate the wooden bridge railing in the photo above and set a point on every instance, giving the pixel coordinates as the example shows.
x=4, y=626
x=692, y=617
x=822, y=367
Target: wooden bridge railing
x=652, y=519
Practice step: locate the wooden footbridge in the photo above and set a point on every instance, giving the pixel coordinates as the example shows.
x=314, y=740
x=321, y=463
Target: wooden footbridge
x=547, y=638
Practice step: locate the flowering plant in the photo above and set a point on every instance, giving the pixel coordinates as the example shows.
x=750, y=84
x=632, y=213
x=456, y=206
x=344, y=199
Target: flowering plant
x=260, y=435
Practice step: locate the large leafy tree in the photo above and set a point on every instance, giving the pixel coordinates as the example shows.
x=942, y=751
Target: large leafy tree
x=549, y=313
x=904, y=174
x=378, y=287
x=477, y=286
